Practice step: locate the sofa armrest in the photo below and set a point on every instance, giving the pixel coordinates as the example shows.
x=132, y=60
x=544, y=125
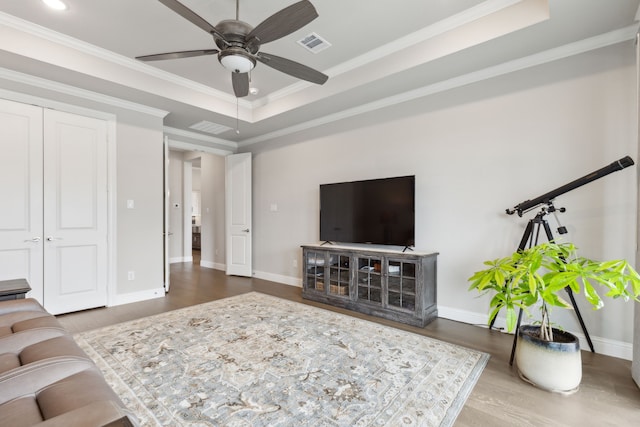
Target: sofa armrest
x=100, y=413
x=35, y=376
x=25, y=304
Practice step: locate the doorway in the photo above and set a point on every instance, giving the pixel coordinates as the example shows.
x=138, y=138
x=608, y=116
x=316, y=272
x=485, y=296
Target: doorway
x=197, y=191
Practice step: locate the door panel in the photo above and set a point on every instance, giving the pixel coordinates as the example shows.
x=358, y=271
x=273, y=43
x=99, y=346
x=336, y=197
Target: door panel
x=75, y=202
x=238, y=214
x=21, y=193
x=166, y=235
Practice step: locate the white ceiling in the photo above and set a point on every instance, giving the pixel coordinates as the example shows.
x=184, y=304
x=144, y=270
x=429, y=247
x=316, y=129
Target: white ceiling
x=383, y=53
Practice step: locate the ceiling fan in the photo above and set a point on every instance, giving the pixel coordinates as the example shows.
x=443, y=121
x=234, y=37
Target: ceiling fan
x=239, y=43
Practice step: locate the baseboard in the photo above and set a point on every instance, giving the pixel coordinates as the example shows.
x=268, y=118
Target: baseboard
x=620, y=349
x=128, y=298
x=213, y=265
x=286, y=280
x=180, y=259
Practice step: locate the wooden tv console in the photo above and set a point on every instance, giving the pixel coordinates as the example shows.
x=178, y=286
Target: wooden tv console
x=395, y=285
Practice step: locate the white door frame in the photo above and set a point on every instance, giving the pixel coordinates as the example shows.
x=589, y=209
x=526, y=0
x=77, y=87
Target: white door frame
x=111, y=120
x=166, y=234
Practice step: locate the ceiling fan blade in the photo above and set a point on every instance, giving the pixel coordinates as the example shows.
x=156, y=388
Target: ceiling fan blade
x=240, y=84
x=191, y=16
x=177, y=55
x=284, y=22
x=292, y=68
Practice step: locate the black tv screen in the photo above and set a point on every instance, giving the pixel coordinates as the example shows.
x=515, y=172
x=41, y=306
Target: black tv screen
x=377, y=211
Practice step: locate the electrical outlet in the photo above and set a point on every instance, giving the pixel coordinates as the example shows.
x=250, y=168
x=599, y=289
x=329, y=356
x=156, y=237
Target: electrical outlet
x=131, y=275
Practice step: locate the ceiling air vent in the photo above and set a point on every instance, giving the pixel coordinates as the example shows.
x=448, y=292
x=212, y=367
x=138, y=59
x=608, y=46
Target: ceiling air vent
x=210, y=127
x=314, y=43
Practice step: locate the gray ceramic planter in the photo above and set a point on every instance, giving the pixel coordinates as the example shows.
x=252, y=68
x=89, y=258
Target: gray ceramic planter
x=553, y=366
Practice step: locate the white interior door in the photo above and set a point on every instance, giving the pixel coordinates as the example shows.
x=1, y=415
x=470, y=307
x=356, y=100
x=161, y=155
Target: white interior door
x=75, y=202
x=238, y=214
x=166, y=235
x=21, y=194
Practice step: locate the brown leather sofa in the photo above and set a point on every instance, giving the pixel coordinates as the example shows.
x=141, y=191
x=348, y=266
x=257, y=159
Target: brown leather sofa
x=45, y=377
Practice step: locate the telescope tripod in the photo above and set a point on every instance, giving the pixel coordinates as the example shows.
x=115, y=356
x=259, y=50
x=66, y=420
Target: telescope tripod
x=529, y=239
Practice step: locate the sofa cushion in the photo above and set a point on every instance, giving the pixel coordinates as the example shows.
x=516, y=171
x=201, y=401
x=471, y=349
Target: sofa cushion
x=21, y=320
x=9, y=361
x=74, y=392
x=23, y=411
x=82, y=399
x=23, y=304
x=59, y=346
x=23, y=328
x=34, y=322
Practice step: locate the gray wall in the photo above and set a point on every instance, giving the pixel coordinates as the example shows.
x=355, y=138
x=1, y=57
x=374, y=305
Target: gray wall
x=475, y=151
x=139, y=231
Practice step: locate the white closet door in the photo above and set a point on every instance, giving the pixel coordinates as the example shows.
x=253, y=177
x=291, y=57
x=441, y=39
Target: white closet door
x=75, y=204
x=21, y=194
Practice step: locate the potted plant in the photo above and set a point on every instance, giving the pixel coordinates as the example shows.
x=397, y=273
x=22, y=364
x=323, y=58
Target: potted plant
x=538, y=276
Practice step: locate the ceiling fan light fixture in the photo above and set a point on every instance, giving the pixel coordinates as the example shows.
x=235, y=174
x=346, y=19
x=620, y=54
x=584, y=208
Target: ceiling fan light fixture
x=236, y=60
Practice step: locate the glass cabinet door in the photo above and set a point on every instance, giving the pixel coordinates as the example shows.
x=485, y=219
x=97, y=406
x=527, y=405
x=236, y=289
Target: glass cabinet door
x=339, y=273
x=369, y=279
x=401, y=284
x=314, y=270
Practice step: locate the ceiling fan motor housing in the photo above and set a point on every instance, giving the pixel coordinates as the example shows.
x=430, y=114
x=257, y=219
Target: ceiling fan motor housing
x=234, y=55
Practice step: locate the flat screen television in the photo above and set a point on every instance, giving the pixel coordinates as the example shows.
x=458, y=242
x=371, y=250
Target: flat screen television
x=376, y=211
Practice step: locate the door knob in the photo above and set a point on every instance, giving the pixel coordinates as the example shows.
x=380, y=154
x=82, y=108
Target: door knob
x=51, y=238
x=246, y=230
x=34, y=240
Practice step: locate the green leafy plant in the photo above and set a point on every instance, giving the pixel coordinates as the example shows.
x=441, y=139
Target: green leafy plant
x=539, y=274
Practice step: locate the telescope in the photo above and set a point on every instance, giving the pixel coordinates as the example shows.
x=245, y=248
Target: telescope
x=547, y=198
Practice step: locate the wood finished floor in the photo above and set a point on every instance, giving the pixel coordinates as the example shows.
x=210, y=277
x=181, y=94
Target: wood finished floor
x=607, y=397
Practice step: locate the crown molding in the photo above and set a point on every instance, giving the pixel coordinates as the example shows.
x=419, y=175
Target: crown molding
x=66, y=89
x=200, y=137
x=106, y=55
x=436, y=29
x=187, y=146
x=568, y=50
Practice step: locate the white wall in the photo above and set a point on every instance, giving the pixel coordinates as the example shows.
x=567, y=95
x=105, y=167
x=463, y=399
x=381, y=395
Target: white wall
x=476, y=151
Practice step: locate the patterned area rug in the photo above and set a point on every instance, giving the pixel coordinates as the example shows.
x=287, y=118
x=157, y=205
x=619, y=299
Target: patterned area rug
x=258, y=360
